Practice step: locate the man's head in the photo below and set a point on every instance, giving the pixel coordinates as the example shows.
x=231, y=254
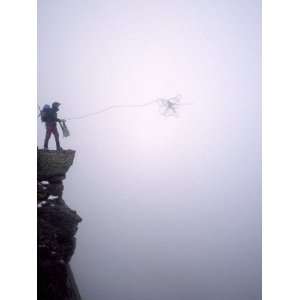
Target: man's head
x=55, y=105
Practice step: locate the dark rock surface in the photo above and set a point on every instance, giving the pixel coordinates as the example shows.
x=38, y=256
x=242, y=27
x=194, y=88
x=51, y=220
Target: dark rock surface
x=57, y=226
x=54, y=163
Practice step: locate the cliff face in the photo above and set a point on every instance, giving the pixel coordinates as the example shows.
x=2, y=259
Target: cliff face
x=57, y=226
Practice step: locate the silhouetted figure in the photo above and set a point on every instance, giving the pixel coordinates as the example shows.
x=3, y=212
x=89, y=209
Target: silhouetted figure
x=49, y=116
x=170, y=105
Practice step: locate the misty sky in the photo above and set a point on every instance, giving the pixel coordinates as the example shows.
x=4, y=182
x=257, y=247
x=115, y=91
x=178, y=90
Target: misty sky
x=170, y=206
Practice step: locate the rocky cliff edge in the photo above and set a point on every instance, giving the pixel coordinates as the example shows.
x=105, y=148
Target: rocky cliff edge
x=57, y=226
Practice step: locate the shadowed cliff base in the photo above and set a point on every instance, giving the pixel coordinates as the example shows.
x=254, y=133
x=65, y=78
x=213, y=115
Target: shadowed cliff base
x=57, y=226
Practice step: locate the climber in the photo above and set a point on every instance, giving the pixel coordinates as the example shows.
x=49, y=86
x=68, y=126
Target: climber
x=49, y=116
x=170, y=106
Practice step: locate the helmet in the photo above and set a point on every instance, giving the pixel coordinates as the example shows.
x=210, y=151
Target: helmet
x=55, y=104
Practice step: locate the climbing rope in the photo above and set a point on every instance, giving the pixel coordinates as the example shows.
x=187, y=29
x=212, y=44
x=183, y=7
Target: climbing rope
x=110, y=108
x=168, y=107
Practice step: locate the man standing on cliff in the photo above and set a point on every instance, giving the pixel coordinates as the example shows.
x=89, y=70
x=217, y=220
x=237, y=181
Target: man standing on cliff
x=49, y=116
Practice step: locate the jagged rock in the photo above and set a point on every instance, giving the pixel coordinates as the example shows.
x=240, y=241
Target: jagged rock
x=55, y=189
x=57, y=226
x=56, y=179
x=42, y=193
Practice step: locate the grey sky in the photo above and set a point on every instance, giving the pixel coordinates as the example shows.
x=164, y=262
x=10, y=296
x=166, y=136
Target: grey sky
x=170, y=206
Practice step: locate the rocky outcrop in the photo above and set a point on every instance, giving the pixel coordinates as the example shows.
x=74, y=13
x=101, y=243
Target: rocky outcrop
x=57, y=226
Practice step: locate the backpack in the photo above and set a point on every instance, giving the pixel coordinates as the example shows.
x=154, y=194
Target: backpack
x=45, y=113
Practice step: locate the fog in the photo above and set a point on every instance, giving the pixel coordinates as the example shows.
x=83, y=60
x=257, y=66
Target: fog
x=171, y=207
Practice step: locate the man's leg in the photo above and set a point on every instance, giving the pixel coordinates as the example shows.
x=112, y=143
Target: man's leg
x=56, y=135
x=47, y=137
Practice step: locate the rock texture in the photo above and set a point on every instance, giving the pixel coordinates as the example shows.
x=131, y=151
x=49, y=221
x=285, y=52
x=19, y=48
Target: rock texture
x=57, y=226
